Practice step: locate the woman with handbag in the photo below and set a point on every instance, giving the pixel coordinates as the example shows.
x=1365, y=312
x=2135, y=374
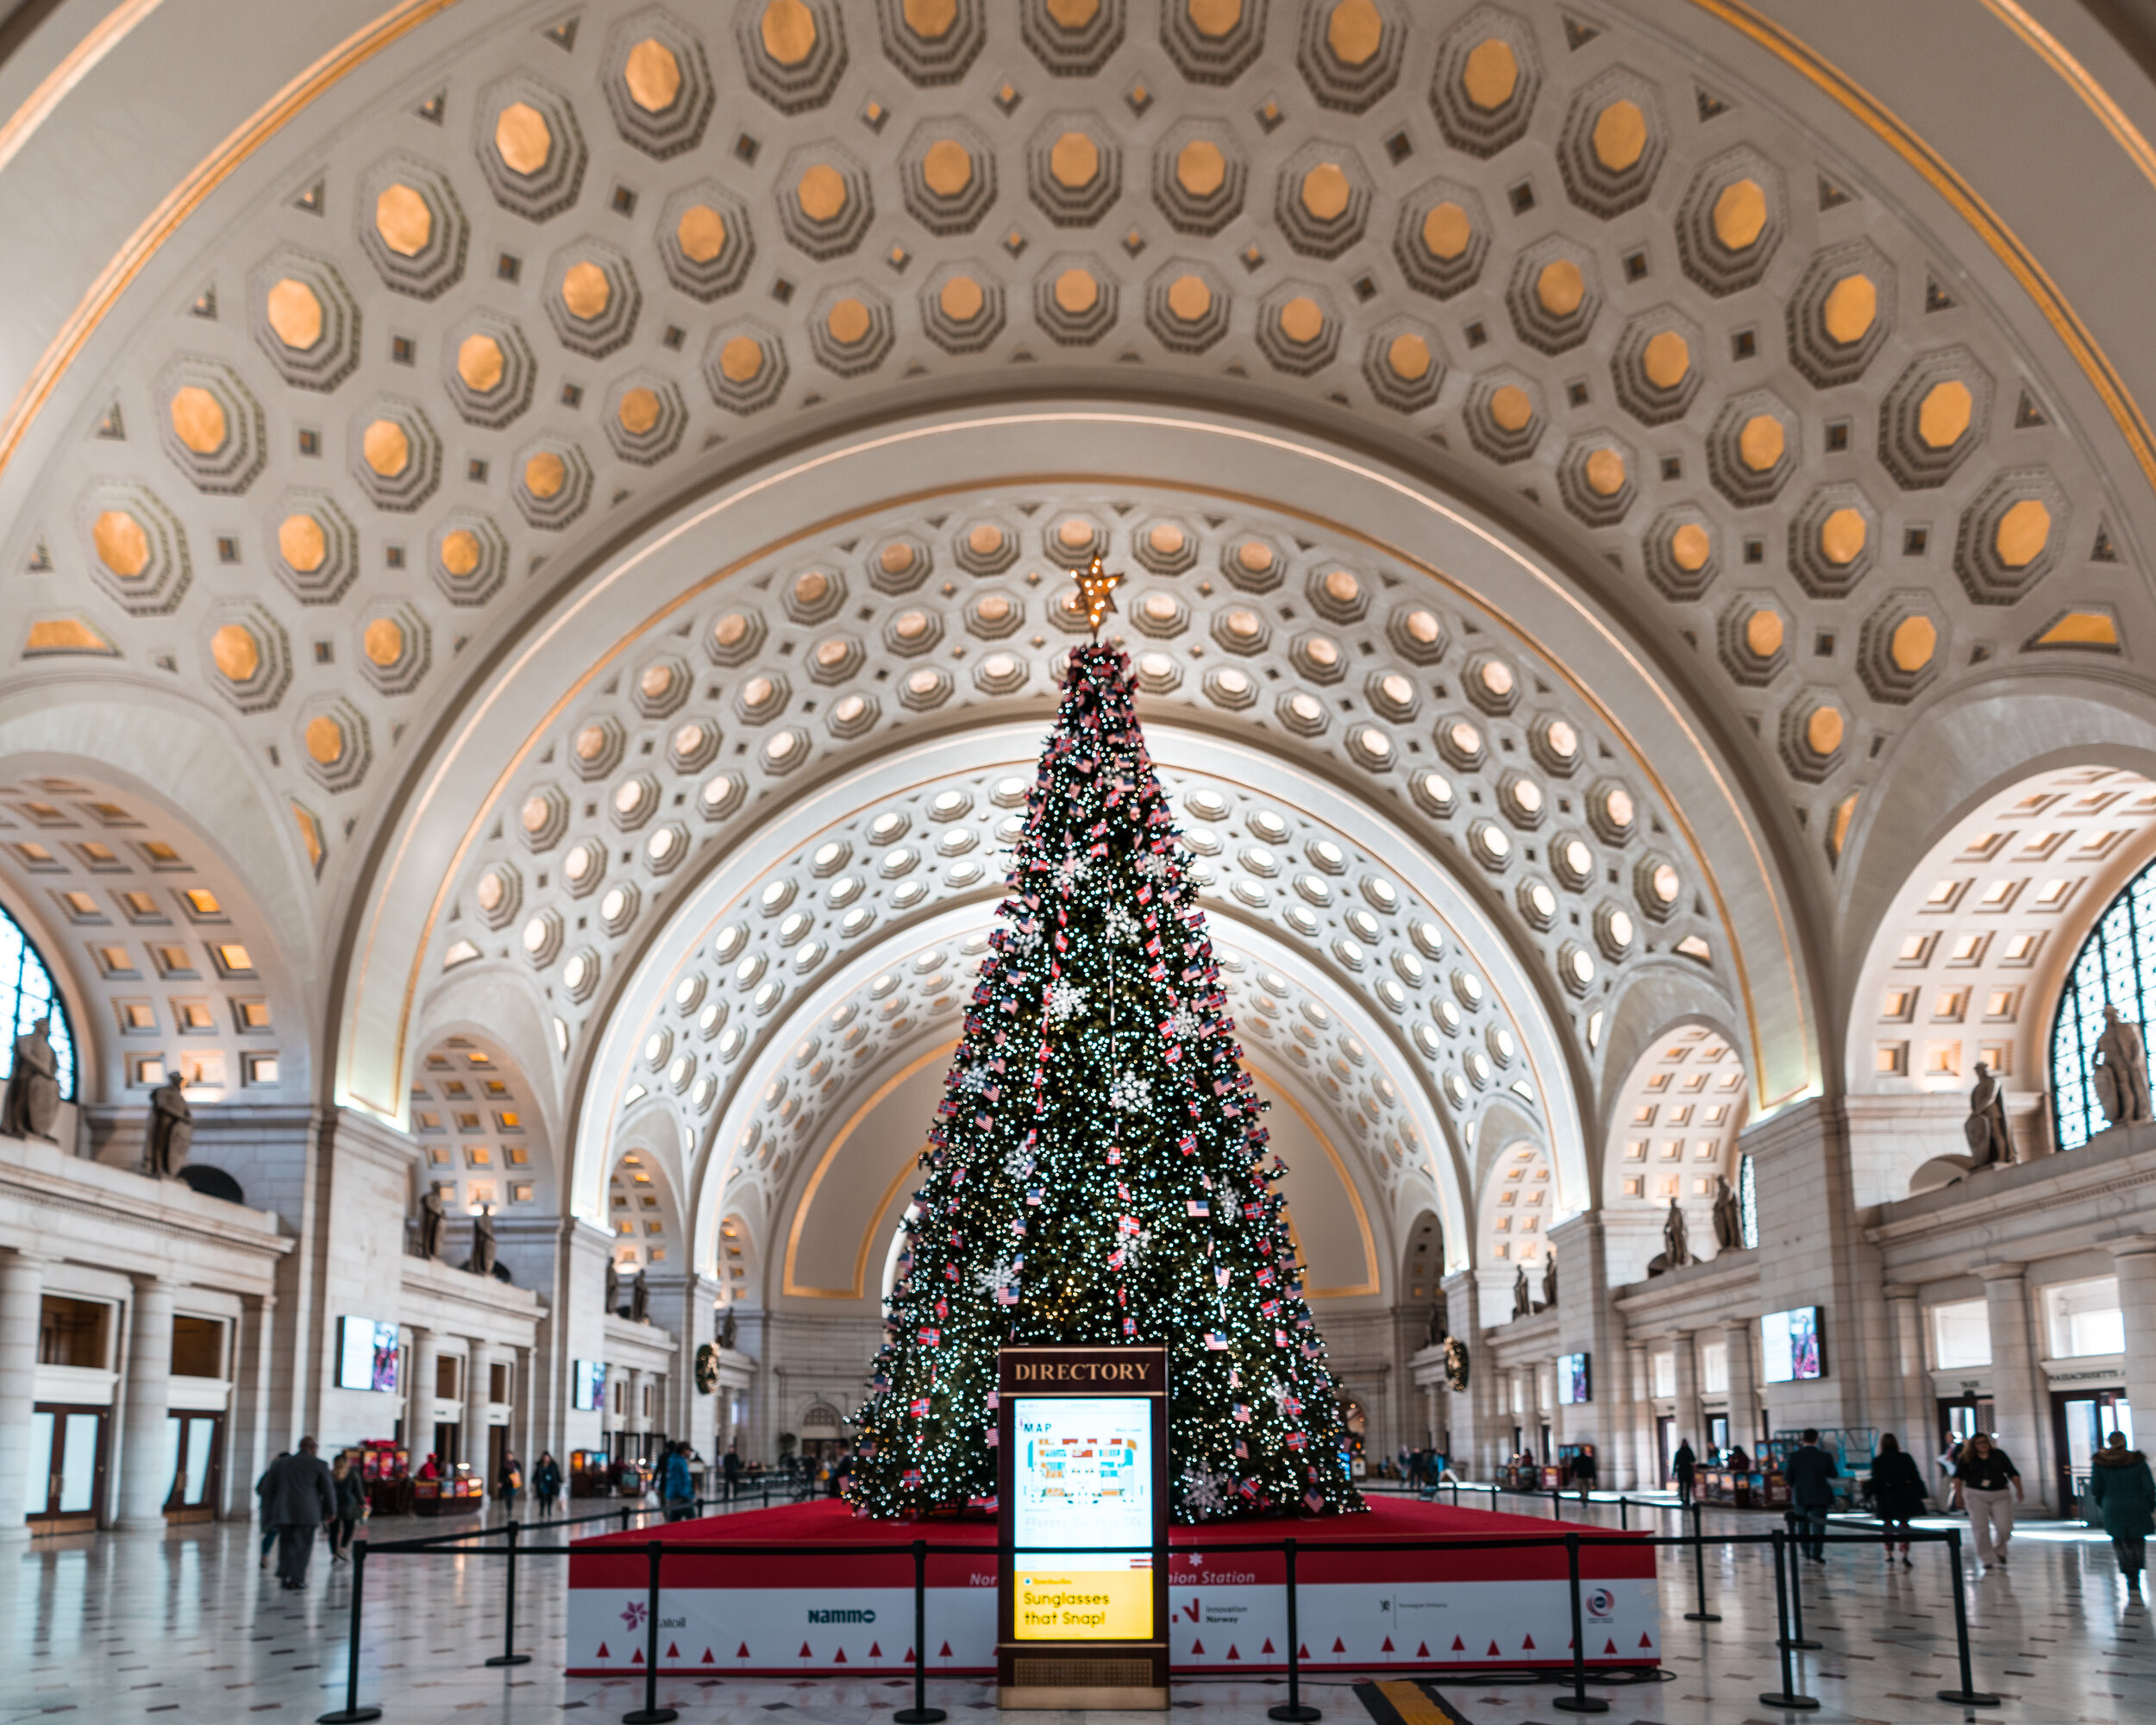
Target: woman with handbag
x=1896, y=1489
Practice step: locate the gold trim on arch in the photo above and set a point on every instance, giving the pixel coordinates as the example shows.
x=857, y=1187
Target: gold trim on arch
x=823, y=1167
x=183, y=199
x=1893, y=131
x=2079, y=79
x=106, y=34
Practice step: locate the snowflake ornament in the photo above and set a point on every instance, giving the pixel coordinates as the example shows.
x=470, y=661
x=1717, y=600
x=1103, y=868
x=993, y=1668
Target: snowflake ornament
x=1153, y=865
x=1205, y=1492
x=1019, y=1165
x=1122, y=926
x=1066, y=1000
x=1130, y=1093
x=1183, y=1023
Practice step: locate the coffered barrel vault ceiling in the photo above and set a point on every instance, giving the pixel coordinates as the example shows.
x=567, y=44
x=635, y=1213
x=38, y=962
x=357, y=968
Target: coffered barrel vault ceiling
x=562, y=460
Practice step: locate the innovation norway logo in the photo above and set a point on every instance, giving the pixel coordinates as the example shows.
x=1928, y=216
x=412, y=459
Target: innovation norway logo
x=1601, y=1604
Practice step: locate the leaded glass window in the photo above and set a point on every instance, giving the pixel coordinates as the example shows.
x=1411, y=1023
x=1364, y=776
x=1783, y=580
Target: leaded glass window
x=27, y=994
x=2116, y=966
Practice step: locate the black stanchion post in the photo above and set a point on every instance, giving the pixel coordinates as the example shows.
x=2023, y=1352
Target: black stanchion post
x=651, y=1713
x=1968, y=1695
x=1579, y=1700
x=920, y=1712
x=509, y=1655
x=353, y=1714
x=1699, y=1573
x=1788, y=1700
x=1795, y=1628
x=1557, y=1504
x=1624, y=1513
x=1292, y=1712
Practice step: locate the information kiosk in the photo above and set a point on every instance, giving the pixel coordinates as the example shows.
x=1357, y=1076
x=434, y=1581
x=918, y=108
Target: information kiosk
x=1082, y=1615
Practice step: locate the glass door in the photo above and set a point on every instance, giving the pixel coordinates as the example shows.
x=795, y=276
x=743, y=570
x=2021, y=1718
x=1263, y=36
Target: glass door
x=194, y=1451
x=2082, y=1421
x=67, y=1469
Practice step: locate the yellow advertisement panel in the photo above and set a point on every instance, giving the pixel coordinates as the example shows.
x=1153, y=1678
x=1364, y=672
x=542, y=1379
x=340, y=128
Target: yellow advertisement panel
x=1059, y=1602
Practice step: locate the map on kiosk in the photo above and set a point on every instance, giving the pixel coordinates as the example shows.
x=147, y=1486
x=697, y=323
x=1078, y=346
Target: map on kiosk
x=1082, y=1487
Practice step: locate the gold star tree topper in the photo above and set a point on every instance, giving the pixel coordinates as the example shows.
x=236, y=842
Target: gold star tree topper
x=1095, y=586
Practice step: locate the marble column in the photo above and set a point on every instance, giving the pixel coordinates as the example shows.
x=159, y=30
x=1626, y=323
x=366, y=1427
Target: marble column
x=145, y=1479
x=2135, y=1259
x=1743, y=1385
x=1646, y=1475
x=2018, y=1404
x=479, y=1378
x=1913, y=1397
x=21, y=1303
x=1691, y=1425
x=247, y=1450
x=419, y=1395
x=524, y=1417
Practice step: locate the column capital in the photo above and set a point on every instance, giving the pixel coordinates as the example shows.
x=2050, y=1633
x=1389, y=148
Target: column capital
x=2011, y=1271
x=154, y=1282
x=420, y=1333
x=1738, y=1325
x=1906, y=1290
x=2133, y=1246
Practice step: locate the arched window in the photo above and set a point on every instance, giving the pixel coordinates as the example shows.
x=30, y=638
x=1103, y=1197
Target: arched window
x=2116, y=966
x=28, y=995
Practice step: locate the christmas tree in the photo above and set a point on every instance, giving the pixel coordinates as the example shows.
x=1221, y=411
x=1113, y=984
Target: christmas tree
x=1098, y=1170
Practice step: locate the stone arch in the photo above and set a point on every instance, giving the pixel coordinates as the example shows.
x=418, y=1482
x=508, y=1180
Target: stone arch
x=1674, y=1121
x=482, y=1128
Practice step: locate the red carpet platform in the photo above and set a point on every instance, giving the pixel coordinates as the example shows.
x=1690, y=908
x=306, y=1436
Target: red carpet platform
x=831, y=1609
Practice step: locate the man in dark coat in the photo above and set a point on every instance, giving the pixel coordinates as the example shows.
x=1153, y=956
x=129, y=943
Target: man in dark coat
x=1684, y=1464
x=1810, y=1471
x=298, y=1495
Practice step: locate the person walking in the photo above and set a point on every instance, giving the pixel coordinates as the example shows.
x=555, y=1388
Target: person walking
x=301, y=1495
x=1983, y=1478
x=509, y=1480
x=262, y=1499
x=677, y=1491
x=1811, y=1473
x=2124, y=1496
x=1898, y=1493
x=1685, y=1466
x=731, y=1466
x=351, y=1507
x=546, y=1482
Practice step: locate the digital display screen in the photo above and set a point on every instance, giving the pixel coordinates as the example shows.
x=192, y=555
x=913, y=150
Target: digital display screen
x=1789, y=1346
x=591, y=1386
x=1082, y=1485
x=367, y=1354
x=1575, y=1379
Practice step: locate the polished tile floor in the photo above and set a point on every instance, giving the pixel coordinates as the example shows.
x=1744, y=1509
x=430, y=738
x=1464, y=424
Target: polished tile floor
x=185, y=1628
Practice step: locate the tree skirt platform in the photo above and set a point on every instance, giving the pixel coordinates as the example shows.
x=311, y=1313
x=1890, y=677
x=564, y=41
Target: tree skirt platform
x=832, y=1611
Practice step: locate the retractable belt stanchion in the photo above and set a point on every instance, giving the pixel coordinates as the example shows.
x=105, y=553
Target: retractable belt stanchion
x=1699, y=1571
x=352, y=1713
x=651, y=1713
x=509, y=1655
x=1788, y=1700
x=1795, y=1631
x=920, y=1712
x=1968, y=1695
x=1579, y=1700
x=1292, y=1711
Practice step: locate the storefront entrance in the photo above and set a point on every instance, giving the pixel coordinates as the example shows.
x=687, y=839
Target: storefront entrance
x=67, y=1469
x=1961, y=1417
x=2081, y=1421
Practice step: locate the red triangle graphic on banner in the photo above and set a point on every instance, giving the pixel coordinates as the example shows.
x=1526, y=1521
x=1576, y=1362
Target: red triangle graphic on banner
x=1492, y=1653
x=741, y=1652
x=1232, y=1652
x=603, y=1654
x=707, y=1659
x=1197, y=1646
x=1527, y=1645
x=1338, y=1646
x=876, y=1649
x=1388, y=1647
x=1645, y=1640
x=673, y=1651
x=1422, y=1650
x=839, y=1658
x=945, y=1653
x=1609, y=1647
x=1458, y=1645
x=908, y=1659
x=1269, y=1645
x=636, y=1657
x=1302, y=1653
x=805, y=1652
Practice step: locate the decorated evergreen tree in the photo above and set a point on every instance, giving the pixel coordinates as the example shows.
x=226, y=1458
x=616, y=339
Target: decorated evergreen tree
x=1098, y=1170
